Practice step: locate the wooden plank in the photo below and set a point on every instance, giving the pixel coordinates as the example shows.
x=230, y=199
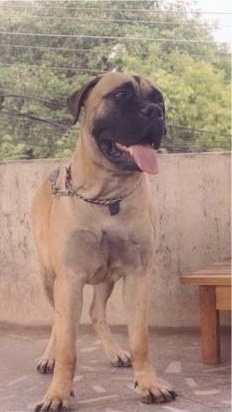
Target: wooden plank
x=213, y=280
x=223, y=298
x=217, y=274
x=223, y=262
x=214, y=270
x=210, y=331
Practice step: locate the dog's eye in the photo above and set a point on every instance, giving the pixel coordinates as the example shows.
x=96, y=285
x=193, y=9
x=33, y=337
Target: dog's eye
x=156, y=97
x=121, y=94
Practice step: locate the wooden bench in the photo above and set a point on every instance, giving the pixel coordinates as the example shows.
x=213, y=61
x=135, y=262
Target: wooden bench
x=215, y=294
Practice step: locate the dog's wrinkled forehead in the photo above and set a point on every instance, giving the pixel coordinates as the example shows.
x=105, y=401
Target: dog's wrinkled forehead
x=114, y=81
x=111, y=82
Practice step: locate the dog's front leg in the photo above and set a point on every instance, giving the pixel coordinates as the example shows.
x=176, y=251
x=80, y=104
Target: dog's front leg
x=136, y=296
x=68, y=304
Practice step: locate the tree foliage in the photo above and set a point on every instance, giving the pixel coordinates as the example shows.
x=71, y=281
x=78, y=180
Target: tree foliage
x=48, y=49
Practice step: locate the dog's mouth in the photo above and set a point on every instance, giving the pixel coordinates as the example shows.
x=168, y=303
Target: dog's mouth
x=141, y=156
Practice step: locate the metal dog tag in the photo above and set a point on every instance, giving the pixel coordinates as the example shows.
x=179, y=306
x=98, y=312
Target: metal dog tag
x=114, y=208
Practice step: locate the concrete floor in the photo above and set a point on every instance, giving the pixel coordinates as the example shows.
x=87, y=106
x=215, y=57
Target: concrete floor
x=101, y=388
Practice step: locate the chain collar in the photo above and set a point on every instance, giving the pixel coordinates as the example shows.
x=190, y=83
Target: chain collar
x=112, y=203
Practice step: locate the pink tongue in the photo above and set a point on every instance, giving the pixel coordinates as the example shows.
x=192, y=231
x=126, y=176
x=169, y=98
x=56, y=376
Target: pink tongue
x=145, y=157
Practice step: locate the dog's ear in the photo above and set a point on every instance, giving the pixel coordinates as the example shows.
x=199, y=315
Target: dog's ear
x=77, y=99
x=137, y=78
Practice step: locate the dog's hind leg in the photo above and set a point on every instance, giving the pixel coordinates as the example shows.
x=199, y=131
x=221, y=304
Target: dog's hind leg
x=117, y=356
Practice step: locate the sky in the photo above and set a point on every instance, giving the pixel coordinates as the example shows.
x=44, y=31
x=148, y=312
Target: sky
x=224, y=32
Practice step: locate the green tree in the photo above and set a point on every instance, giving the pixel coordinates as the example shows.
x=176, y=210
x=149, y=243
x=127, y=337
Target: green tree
x=65, y=42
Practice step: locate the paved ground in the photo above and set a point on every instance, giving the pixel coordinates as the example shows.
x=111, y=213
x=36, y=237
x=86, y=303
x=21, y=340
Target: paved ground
x=101, y=388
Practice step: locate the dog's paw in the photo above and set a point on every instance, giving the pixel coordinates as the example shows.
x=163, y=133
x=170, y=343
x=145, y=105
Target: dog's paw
x=53, y=402
x=52, y=406
x=45, y=366
x=154, y=390
x=121, y=360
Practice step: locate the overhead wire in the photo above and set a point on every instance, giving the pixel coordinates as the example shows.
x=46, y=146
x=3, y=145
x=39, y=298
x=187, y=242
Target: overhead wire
x=96, y=49
x=99, y=37
x=20, y=7
x=92, y=71
x=107, y=21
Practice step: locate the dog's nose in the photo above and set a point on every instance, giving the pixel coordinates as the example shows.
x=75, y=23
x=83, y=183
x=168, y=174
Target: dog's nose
x=150, y=110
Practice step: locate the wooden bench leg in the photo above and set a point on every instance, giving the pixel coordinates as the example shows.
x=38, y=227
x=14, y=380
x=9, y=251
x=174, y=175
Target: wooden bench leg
x=210, y=329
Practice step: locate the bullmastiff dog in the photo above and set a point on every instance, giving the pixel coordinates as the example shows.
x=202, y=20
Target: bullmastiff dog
x=93, y=221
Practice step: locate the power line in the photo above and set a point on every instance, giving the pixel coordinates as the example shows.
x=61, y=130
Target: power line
x=213, y=58
x=35, y=118
x=107, y=21
x=193, y=130
x=97, y=37
x=43, y=67
x=128, y=9
x=23, y=96
x=96, y=49
x=74, y=69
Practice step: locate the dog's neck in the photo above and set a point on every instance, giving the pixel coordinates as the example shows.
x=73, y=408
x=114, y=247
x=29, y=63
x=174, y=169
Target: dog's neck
x=95, y=177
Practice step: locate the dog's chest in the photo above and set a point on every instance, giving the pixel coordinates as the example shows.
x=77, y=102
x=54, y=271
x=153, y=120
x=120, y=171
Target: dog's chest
x=109, y=254
x=123, y=254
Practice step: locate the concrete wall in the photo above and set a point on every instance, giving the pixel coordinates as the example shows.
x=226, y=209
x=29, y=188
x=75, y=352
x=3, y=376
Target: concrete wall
x=192, y=193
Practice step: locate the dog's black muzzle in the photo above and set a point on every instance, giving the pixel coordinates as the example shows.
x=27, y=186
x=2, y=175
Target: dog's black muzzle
x=135, y=122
